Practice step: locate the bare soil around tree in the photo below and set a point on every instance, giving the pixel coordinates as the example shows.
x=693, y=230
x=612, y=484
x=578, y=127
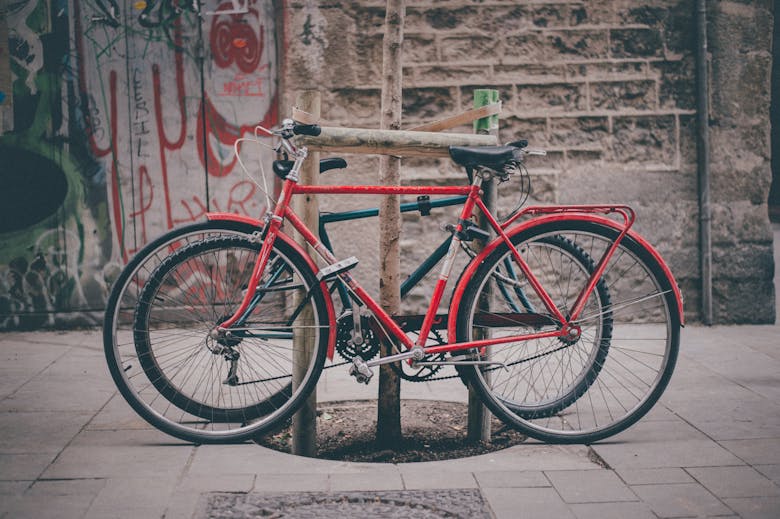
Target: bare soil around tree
x=432, y=431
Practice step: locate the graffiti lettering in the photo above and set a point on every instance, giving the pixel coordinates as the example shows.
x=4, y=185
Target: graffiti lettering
x=95, y=128
x=145, y=199
x=243, y=86
x=193, y=216
x=140, y=116
x=152, y=123
x=241, y=195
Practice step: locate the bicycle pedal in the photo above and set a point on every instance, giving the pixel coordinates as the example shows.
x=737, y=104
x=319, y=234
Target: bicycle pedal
x=360, y=371
x=337, y=268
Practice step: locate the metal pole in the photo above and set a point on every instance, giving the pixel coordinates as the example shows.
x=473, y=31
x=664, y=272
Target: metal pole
x=703, y=146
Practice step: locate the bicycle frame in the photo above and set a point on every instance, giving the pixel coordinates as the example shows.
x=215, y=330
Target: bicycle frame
x=418, y=273
x=567, y=325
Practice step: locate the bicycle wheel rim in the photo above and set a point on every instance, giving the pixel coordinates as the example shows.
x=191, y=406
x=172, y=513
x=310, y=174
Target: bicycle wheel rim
x=219, y=421
x=120, y=308
x=631, y=378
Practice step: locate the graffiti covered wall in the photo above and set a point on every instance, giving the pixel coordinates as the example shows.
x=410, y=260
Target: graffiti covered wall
x=118, y=123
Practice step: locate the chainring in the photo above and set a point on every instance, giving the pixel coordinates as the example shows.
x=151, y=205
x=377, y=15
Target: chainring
x=421, y=373
x=345, y=344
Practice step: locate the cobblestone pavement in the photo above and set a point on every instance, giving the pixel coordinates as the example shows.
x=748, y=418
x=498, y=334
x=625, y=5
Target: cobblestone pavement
x=71, y=447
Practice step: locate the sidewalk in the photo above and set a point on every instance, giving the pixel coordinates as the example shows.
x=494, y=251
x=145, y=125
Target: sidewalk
x=71, y=447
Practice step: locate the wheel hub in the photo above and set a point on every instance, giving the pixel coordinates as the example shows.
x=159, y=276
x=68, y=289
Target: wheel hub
x=571, y=334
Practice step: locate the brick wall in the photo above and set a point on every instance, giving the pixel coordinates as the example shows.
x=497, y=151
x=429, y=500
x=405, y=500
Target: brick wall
x=607, y=87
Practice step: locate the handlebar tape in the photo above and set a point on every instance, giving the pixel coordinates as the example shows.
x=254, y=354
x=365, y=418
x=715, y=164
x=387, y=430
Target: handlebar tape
x=307, y=129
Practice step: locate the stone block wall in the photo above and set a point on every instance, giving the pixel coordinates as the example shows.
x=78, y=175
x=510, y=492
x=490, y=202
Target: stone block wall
x=608, y=87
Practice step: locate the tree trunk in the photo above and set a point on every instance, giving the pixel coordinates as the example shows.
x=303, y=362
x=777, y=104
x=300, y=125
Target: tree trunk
x=388, y=427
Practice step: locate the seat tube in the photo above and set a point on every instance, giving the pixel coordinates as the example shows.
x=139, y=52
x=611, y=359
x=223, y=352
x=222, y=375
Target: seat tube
x=449, y=261
x=275, y=220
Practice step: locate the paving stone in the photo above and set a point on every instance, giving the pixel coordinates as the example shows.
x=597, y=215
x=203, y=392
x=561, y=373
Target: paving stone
x=117, y=414
x=119, y=439
x=253, y=459
x=290, y=483
x=512, y=478
x=654, y=476
x=756, y=507
x=50, y=507
x=770, y=471
x=756, y=451
x=590, y=486
x=375, y=480
x=39, y=432
x=683, y=500
x=749, y=415
x=531, y=503
x=130, y=460
x=420, y=480
x=656, y=431
x=13, y=488
x=661, y=454
x=465, y=503
x=184, y=505
x=24, y=466
x=223, y=483
x=65, y=391
x=87, y=488
x=126, y=513
x=612, y=511
x=735, y=481
x=121, y=497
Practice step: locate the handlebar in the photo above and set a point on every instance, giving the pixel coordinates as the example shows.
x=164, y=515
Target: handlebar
x=312, y=130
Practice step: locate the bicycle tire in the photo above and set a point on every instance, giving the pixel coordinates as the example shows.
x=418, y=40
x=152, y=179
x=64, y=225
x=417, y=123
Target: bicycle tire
x=514, y=297
x=643, y=342
x=118, y=341
x=183, y=385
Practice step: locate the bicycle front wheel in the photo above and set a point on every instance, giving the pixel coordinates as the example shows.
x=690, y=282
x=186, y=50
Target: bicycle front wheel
x=586, y=387
x=208, y=389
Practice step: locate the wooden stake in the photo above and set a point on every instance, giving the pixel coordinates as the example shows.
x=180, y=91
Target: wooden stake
x=304, y=426
x=479, y=416
x=459, y=119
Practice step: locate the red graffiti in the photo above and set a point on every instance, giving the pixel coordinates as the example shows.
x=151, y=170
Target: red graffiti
x=199, y=212
x=234, y=40
x=226, y=134
x=242, y=194
x=145, y=199
x=243, y=85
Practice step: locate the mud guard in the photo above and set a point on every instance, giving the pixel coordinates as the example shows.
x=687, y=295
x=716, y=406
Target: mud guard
x=292, y=243
x=460, y=288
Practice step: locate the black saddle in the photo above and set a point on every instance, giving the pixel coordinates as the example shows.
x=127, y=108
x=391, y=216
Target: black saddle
x=489, y=156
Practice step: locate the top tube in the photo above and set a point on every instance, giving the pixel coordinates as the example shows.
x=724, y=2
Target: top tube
x=374, y=211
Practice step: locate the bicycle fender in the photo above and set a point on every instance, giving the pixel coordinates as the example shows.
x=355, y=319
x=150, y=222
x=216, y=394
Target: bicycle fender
x=472, y=267
x=300, y=250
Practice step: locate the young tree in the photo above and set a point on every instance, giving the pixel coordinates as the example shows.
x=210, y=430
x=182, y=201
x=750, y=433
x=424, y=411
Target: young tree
x=388, y=430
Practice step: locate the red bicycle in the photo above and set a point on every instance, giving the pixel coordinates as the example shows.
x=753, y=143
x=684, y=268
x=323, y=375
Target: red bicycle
x=567, y=323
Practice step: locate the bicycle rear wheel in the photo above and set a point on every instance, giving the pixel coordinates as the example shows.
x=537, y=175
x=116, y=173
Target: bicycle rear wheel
x=118, y=340
x=596, y=384
x=209, y=389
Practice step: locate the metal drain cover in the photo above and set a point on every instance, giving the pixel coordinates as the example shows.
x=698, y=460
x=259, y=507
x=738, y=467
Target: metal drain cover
x=420, y=504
